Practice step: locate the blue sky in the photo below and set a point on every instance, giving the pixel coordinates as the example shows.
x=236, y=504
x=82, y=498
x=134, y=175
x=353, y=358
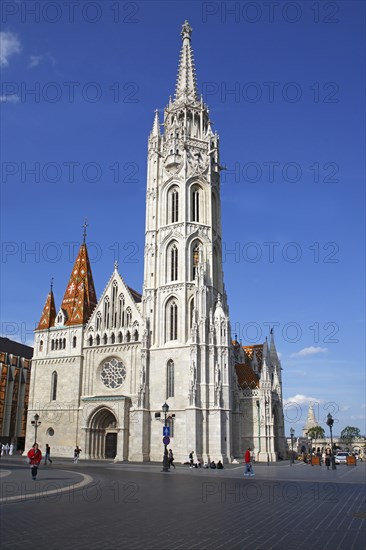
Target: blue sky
x=285, y=86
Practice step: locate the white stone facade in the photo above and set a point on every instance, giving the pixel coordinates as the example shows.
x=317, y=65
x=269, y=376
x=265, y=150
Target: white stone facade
x=171, y=345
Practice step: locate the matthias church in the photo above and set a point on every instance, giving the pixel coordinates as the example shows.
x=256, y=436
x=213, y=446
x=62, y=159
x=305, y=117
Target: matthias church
x=104, y=366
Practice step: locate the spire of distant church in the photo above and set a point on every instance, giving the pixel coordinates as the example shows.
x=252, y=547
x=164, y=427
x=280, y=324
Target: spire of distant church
x=80, y=298
x=49, y=311
x=186, y=88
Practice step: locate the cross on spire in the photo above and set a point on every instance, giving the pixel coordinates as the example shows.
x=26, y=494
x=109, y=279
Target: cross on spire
x=85, y=225
x=51, y=284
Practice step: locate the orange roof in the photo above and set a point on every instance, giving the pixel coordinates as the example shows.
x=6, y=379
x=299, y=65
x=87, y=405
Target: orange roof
x=80, y=298
x=247, y=378
x=48, y=314
x=257, y=349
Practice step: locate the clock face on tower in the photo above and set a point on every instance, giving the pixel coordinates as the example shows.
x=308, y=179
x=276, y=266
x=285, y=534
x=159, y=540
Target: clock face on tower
x=113, y=374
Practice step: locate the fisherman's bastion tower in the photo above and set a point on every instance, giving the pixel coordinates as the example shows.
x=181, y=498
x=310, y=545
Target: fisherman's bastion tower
x=103, y=367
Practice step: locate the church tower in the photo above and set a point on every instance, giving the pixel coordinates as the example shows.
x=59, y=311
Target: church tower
x=184, y=300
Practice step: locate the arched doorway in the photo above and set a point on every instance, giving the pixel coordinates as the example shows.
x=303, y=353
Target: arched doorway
x=103, y=434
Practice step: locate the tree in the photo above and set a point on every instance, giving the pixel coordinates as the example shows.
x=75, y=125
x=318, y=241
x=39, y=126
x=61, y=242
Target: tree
x=316, y=433
x=349, y=434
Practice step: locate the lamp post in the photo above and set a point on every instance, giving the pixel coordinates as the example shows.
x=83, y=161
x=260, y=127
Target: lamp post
x=292, y=432
x=35, y=423
x=311, y=449
x=259, y=427
x=165, y=409
x=330, y=422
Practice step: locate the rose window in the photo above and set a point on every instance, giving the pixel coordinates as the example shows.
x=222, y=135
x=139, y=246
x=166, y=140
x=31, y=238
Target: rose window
x=113, y=374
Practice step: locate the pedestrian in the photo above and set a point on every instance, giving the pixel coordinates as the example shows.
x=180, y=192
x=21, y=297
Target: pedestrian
x=171, y=459
x=34, y=459
x=77, y=452
x=7, y=448
x=248, y=463
x=191, y=465
x=47, y=455
x=2, y=449
x=11, y=449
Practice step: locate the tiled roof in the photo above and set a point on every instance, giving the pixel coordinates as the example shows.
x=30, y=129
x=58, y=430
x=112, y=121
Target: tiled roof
x=247, y=378
x=80, y=299
x=15, y=348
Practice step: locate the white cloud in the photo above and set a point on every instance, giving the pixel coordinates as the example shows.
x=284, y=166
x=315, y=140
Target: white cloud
x=13, y=98
x=34, y=61
x=301, y=399
x=9, y=45
x=312, y=350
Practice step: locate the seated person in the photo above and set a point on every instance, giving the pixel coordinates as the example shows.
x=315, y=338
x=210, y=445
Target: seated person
x=205, y=465
x=213, y=465
x=220, y=465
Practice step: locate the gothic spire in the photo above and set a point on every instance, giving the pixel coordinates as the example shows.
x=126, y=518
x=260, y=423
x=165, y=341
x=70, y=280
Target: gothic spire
x=186, y=88
x=49, y=311
x=156, y=126
x=80, y=298
x=272, y=350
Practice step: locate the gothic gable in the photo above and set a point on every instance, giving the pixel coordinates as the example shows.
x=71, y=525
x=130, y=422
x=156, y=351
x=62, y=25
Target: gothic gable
x=117, y=317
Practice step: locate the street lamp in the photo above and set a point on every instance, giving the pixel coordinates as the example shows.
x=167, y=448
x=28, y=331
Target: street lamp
x=292, y=432
x=330, y=423
x=165, y=409
x=311, y=448
x=35, y=423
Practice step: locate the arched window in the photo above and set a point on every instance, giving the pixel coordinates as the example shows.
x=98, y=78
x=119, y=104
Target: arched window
x=98, y=340
x=41, y=345
x=170, y=379
x=74, y=340
x=136, y=336
x=128, y=336
x=99, y=321
x=195, y=204
x=195, y=258
x=64, y=343
x=120, y=337
x=54, y=386
x=128, y=316
x=56, y=343
x=121, y=310
x=173, y=205
x=171, y=321
x=174, y=263
x=113, y=338
x=105, y=339
x=114, y=303
x=106, y=312
x=52, y=344
x=90, y=340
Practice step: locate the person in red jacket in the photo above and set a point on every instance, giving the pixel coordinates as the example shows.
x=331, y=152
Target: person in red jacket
x=248, y=463
x=34, y=457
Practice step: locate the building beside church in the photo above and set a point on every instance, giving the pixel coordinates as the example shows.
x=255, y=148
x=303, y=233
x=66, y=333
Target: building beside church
x=15, y=371
x=103, y=367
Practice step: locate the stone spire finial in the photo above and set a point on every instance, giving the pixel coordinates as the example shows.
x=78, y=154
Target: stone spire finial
x=156, y=125
x=186, y=87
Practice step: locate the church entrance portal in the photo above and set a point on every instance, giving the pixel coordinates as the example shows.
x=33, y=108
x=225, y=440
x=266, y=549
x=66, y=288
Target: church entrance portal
x=103, y=434
x=110, y=445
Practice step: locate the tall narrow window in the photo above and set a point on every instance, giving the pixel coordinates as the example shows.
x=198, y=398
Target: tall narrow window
x=173, y=321
x=54, y=386
x=128, y=316
x=106, y=312
x=196, y=205
x=114, y=304
x=121, y=310
x=174, y=205
x=195, y=259
x=174, y=263
x=41, y=345
x=99, y=321
x=74, y=342
x=170, y=379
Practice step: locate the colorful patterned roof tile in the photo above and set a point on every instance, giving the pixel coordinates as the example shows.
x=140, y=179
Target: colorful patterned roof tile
x=80, y=298
x=48, y=314
x=247, y=378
